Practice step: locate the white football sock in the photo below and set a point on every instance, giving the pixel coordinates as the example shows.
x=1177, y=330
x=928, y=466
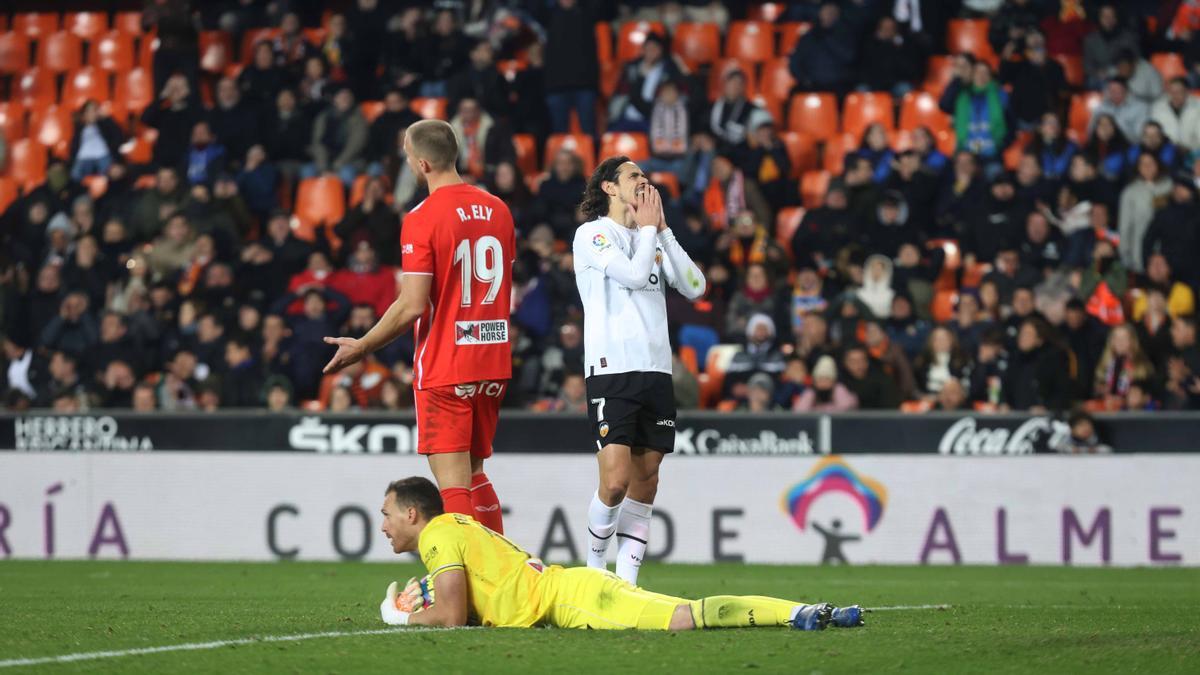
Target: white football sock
x=602, y=522
x=633, y=530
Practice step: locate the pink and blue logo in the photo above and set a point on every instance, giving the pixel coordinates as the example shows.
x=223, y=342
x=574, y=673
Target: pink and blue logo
x=834, y=475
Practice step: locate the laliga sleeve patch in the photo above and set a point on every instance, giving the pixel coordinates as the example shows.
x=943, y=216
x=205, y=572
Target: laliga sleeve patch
x=600, y=242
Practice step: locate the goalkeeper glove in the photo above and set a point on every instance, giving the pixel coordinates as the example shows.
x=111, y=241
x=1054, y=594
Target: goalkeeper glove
x=388, y=609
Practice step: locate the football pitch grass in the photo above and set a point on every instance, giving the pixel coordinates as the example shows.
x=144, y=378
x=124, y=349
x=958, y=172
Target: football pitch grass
x=314, y=617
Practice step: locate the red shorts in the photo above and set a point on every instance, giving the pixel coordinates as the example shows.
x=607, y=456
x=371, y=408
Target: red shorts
x=458, y=418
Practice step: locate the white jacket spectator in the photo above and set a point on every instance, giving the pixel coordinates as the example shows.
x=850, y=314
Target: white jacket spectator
x=1179, y=114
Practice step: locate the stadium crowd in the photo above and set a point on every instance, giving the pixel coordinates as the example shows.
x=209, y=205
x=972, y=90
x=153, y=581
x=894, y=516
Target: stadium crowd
x=1027, y=237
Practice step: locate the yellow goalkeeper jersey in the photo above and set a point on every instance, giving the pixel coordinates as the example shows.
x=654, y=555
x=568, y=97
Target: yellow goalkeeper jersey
x=504, y=582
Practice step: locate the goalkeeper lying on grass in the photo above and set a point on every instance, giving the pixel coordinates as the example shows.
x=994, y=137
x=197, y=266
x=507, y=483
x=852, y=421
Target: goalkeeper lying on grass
x=477, y=576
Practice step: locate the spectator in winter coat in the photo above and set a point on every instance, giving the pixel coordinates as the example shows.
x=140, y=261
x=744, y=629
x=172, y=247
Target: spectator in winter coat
x=483, y=141
x=633, y=102
x=173, y=115
x=760, y=355
x=339, y=138
x=1128, y=112
x=978, y=107
x=1178, y=112
x=572, y=69
x=864, y=377
x=1038, y=83
x=365, y=281
x=234, y=122
x=668, y=134
x=95, y=145
x=382, y=137
x=307, y=352
x=1174, y=232
x=733, y=116
x=261, y=81
x=205, y=156
x=1145, y=84
x=481, y=81
x=1102, y=46
x=373, y=221
x=756, y=297
x=1036, y=380
x=826, y=394
x=824, y=57
x=890, y=61
x=1140, y=200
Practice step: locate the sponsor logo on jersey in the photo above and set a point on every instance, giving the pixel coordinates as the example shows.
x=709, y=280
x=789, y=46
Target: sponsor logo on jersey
x=493, y=389
x=600, y=242
x=480, y=332
x=666, y=423
x=407, y=249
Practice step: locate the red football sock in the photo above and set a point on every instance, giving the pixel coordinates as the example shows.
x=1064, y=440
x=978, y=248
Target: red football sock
x=457, y=500
x=486, y=504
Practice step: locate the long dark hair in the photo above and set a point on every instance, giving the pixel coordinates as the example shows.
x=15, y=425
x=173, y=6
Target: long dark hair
x=595, y=200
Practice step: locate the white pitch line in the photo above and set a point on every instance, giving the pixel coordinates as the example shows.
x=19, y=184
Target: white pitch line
x=902, y=608
x=200, y=646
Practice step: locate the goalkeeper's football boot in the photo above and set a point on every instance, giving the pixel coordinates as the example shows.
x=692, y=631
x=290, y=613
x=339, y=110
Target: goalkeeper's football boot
x=847, y=617
x=812, y=617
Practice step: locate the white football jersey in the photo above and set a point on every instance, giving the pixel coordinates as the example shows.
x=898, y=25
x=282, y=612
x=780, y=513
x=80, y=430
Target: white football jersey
x=624, y=295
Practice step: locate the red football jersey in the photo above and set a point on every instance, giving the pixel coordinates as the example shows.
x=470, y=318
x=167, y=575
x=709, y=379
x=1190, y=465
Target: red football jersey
x=464, y=238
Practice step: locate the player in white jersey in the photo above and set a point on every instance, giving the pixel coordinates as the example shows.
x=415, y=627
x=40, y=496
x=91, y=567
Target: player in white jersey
x=624, y=258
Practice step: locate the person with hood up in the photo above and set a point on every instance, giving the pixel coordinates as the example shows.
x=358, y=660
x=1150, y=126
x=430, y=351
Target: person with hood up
x=760, y=355
x=891, y=228
x=876, y=292
x=826, y=394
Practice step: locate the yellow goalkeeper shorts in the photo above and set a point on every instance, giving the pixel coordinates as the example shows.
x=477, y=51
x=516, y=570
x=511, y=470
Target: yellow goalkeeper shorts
x=582, y=597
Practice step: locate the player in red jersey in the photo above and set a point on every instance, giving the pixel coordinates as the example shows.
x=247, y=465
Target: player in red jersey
x=458, y=248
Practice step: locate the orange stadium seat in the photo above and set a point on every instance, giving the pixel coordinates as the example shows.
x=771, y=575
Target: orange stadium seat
x=1169, y=64
x=721, y=68
x=27, y=163
x=60, y=52
x=128, y=22
x=789, y=34
x=697, y=43
x=430, y=108
x=113, y=52
x=939, y=70
x=14, y=53
x=836, y=148
x=801, y=150
x=216, y=51
x=1080, y=114
x=319, y=201
x=687, y=355
x=315, y=36
x=1072, y=69
x=775, y=86
x=970, y=36
x=86, y=25
x=371, y=109
x=752, y=41
x=35, y=88
x=9, y=191
x=668, y=181
x=863, y=108
x=787, y=221
x=580, y=144
x=149, y=45
x=526, y=148
x=610, y=77
x=84, y=84
x=766, y=11
x=12, y=120
x=252, y=37
x=813, y=186
x=35, y=24
x=920, y=109
x=1012, y=154
x=942, y=308
x=814, y=114
x=96, y=185
x=635, y=145
x=947, y=279
x=631, y=36
x=52, y=127
x=134, y=90
x=139, y=149
x=604, y=42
